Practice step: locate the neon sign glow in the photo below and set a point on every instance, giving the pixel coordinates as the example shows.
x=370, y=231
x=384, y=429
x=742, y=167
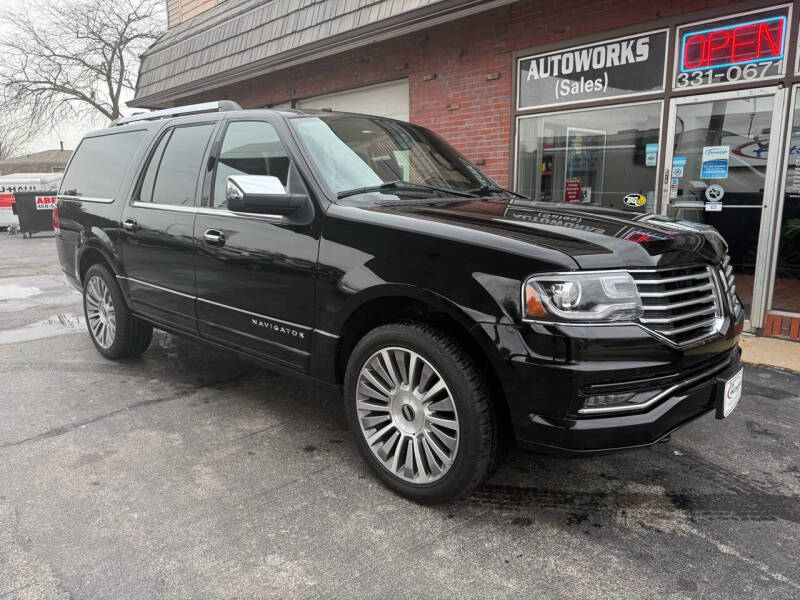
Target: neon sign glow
x=742, y=43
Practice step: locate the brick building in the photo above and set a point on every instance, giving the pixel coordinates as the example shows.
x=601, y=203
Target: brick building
x=684, y=107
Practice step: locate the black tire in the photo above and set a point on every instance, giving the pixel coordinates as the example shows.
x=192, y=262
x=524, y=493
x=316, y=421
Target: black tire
x=478, y=450
x=132, y=336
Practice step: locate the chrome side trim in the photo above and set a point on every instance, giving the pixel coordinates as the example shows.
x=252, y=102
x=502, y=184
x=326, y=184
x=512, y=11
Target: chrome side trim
x=167, y=207
x=326, y=334
x=246, y=312
x=158, y=287
x=253, y=314
x=670, y=390
x=222, y=212
x=85, y=198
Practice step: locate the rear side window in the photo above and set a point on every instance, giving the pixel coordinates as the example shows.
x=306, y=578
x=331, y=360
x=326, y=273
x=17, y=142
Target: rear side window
x=100, y=164
x=174, y=167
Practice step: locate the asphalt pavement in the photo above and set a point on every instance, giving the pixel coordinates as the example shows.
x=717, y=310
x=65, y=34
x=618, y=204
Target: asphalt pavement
x=189, y=473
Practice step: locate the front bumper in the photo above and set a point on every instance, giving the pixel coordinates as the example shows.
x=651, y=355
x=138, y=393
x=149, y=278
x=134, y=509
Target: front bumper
x=605, y=433
x=550, y=371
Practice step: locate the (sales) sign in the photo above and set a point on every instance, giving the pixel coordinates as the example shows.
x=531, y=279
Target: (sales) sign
x=6, y=200
x=610, y=69
x=744, y=48
x=45, y=202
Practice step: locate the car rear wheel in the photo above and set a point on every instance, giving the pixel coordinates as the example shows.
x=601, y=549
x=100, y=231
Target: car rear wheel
x=114, y=331
x=421, y=412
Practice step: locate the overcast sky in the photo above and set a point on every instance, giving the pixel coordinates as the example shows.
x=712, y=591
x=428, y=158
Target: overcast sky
x=68, y=132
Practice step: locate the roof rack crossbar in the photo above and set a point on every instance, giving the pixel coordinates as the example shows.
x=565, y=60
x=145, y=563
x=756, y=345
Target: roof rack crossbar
x=178, y=111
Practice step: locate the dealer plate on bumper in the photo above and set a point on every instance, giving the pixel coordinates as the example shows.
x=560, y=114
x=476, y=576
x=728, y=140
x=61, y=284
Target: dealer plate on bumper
x=729, y=393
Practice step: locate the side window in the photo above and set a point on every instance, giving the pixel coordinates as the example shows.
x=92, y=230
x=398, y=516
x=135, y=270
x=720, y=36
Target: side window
x=149, y=181
x=249, y=148
x=100, y=164
x=174, y=168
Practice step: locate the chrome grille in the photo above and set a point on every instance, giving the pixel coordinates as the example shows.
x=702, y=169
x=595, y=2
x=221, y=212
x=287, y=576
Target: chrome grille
x=681, y=304
x=728, y=284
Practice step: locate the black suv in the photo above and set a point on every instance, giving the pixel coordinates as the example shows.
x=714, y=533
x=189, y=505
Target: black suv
x=366, y=253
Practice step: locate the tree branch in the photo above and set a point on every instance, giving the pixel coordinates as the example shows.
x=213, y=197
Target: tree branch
x=73, y=58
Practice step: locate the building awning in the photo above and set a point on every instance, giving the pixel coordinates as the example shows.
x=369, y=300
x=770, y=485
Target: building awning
x=240, y=39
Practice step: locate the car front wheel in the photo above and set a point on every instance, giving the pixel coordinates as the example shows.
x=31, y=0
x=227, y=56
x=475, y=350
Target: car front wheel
x=421, y=412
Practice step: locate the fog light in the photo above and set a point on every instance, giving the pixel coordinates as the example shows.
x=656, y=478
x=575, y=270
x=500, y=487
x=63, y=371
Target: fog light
x=607, y=400
x=623, y=401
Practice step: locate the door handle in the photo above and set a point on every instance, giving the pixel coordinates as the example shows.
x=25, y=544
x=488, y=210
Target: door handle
x=130, y=224
x=214, y=237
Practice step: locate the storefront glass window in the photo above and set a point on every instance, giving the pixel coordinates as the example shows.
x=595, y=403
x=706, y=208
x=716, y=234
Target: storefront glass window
x=786, y=294
x=601, y=157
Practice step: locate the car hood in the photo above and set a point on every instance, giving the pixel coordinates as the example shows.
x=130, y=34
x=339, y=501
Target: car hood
x=594, y=238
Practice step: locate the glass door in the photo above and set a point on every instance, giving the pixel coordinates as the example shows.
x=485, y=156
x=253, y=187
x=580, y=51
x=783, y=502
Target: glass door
x=785, y=295
x=719, y=170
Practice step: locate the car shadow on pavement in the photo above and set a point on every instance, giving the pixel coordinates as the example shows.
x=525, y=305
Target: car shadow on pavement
x=655, y=486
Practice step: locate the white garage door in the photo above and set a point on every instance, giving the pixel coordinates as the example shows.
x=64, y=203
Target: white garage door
x=384, y=100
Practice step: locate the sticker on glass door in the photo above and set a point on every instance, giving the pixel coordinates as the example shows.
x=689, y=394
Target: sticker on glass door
x=715, y=162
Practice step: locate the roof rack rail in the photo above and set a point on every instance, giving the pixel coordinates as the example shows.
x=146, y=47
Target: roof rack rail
x=178, y=111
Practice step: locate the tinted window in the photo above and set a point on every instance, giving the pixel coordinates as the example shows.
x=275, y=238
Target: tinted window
x=178, y=165
x=249, y=148
x=100, y=164
x=146, y=191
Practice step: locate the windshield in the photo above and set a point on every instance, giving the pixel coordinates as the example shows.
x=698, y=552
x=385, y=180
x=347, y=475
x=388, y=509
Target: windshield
x=355, y=152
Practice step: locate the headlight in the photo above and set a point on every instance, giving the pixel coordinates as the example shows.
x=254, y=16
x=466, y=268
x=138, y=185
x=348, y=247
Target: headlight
x=610, y=296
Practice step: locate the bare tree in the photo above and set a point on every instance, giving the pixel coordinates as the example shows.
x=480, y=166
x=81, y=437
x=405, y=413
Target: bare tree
x=13, y=137
x=64, y=60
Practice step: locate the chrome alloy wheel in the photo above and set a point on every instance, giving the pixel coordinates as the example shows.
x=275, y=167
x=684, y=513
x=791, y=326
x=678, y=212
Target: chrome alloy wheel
x=407, y=415
x=100, y=313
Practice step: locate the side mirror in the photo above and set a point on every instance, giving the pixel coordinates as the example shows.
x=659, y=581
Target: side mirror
x=262, y=194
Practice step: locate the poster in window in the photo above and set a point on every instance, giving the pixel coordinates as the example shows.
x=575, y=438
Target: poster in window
x=585, y=160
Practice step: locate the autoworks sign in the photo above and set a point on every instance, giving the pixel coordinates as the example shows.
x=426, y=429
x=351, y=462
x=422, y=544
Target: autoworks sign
x=619, y=67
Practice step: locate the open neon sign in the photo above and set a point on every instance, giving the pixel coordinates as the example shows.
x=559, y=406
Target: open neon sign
x=743, y=43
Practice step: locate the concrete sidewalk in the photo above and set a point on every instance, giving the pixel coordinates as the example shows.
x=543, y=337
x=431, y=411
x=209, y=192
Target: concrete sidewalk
x=771, y=352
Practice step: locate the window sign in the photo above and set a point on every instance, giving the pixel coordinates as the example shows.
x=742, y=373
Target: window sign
x=749, y=47
x=715, y=162
x=651, y=151
x=621, y=67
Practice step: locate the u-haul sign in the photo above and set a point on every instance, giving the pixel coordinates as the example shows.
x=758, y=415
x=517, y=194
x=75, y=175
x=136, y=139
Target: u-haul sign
x=45, y=202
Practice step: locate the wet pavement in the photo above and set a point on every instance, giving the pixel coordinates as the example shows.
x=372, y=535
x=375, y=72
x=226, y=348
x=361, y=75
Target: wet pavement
x=189, y=473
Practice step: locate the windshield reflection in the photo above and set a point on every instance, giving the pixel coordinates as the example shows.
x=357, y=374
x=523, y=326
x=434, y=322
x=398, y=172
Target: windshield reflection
x=354, y=152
